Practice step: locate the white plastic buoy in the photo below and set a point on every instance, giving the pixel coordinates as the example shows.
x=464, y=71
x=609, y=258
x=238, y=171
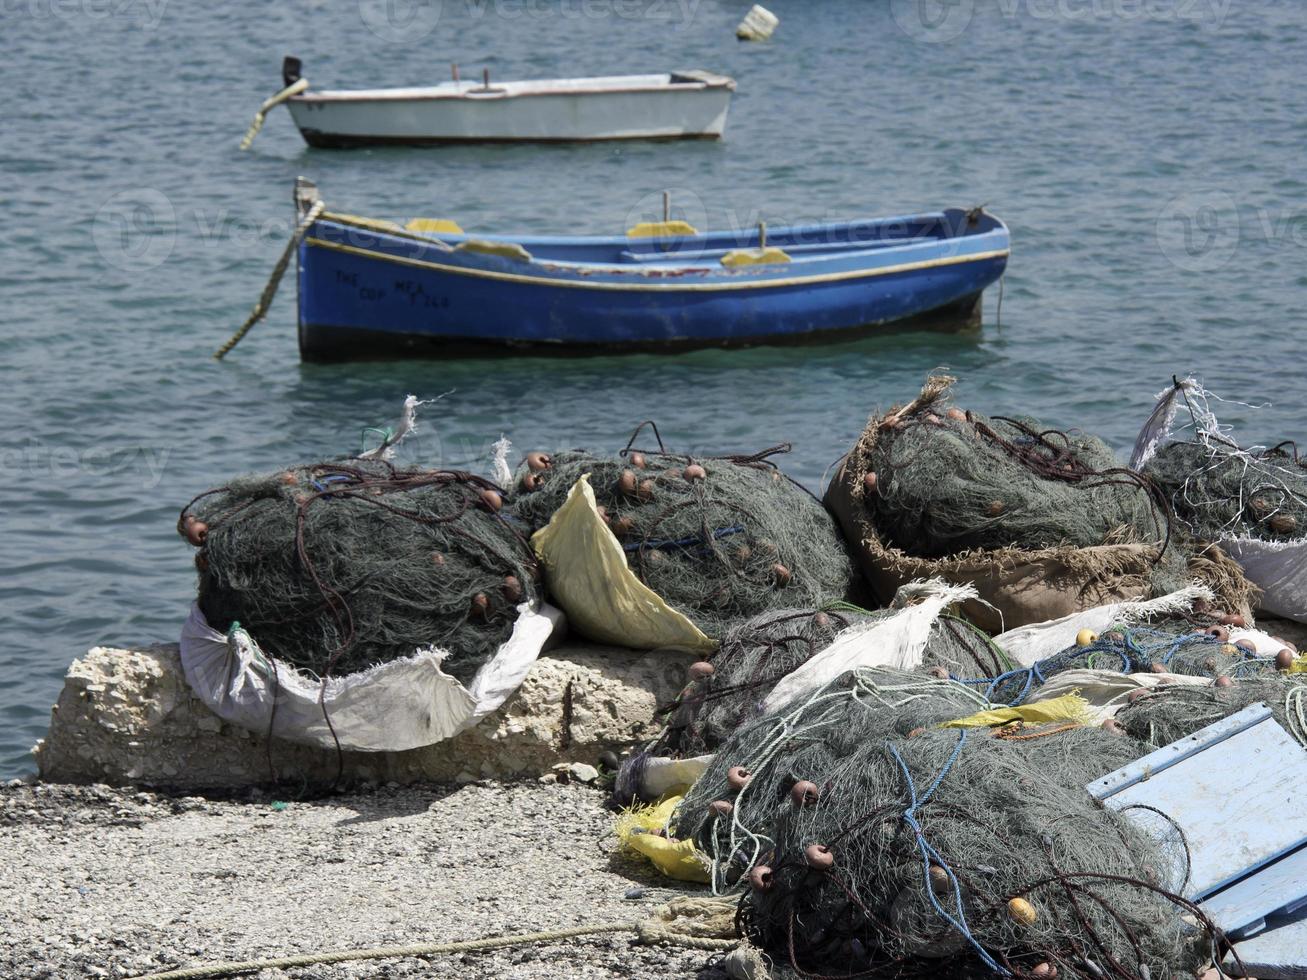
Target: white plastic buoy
x=757, y=25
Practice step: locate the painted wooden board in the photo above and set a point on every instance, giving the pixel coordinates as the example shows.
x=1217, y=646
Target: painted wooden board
x=1279, y=953
x=1279, y=888
x=1238, y=789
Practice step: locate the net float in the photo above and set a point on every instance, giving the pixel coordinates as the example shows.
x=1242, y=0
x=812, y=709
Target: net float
x=627, y=484
x=1138, y=695
x=480, y=604
x=1233, y=619
x=738, y=777
x=622, y=526
x=995, y=508
x=916, y=732
x=695, y=472
x=1085, y=637
x=196, y=531
x=804, y=793
x=720, y=808
x=1045, y=971
x=939, y=672
x=701, y=669
x=602, y=511
x=932, y=418
x=1113, y=727
x=1021, y=912
x=646, y=490
x=538, y=462
x=870, y=481
x=780, y=575
x=637, y=460
x=512, y=589
x=1283, y=523
x=437, y=558
x=289, y=478
x=1157, y=668
x=1223, y=681
x=939, y=880
x=1284, y=659
x=821, y=620
x=1219, y=632
x=492, y=499
x=957, y=415
x=1246, y=645
x=818, y=857
x=531, y=482
x=760, y=877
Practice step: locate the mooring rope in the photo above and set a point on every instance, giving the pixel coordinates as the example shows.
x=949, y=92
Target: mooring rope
x=270, y=290
x=649, y=932
x=294, y=88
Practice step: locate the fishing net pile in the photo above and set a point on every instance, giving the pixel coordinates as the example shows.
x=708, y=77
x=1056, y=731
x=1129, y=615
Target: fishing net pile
x=1044, y=521
x=1169, y=713
x=867, y=840
x=755, y=655
x=337, y=566
x=1220, y=491
x=1194, y=646
x=720, y=539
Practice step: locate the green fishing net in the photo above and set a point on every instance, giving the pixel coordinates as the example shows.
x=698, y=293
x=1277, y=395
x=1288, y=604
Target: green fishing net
x=864, y=840
x=1166, y=714
x=1218, y=490
x=719, y=538
x=337, y=566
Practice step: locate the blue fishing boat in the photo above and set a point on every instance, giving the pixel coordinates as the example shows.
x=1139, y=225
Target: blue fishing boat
x=377, y=288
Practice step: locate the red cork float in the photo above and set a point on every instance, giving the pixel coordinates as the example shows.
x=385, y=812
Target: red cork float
x=760, y=877
x=819, y=857
x=701, y=669
x=538, y=462
x=738, y=777
x=804, y=793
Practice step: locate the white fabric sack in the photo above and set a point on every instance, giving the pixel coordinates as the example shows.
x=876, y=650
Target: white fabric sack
x=898, y=642
x=1279, y=569
x=1030, y=644
x=403, y=704
x=1108, y=691
x=662, y=775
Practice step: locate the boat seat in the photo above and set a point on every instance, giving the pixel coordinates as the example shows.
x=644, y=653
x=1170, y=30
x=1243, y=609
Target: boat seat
x=754, y=256
x=504, y=250
x=791, y=250
x=662, y=229
x=434, y=226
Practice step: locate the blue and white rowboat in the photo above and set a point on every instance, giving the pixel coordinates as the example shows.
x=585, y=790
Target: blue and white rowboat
x=374, y=288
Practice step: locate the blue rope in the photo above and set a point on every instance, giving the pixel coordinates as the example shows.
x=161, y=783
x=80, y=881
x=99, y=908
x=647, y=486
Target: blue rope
x=928, y=852
x=684, y=542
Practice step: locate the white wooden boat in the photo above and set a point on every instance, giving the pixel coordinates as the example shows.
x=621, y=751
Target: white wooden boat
x=677, y=105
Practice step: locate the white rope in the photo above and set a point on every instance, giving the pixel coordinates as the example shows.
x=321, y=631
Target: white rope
x=293, y=89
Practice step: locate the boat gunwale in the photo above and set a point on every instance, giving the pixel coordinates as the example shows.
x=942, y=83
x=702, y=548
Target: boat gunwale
x=673, y=85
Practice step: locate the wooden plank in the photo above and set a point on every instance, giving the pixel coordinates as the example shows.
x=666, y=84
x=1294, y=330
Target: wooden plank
x=1279, y=888
x=1236, y=789
x=1279, y=953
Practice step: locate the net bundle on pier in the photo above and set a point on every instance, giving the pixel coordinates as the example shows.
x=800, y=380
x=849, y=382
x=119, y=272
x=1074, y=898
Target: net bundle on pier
x=757, y=654
x=1218, y=490
x=336, y=566
x=866, y=840
x=1166, y=714
x=939, y=481
x=719, y=538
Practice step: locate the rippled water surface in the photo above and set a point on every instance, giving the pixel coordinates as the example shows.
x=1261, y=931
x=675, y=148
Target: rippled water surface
x=1148, y=158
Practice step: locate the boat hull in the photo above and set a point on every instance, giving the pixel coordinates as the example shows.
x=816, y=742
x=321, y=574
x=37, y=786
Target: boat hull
x=669, y=112
x=379, y=296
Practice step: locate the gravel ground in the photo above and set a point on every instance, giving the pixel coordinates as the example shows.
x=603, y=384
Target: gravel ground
x=101, y=882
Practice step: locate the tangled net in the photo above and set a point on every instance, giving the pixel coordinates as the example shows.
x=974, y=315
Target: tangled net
x=757, y=654
x=1166, y=713
x=938, y=481
x=869, y=842
x=336, y=566
x=719, y=538
x=1193, y=646
x=1222, y=491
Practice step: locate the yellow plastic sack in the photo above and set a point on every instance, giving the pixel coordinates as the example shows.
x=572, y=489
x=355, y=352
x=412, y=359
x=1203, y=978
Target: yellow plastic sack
x=587, y=575
x=1299, y=665
x=1069, y=707
x=674, y=858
